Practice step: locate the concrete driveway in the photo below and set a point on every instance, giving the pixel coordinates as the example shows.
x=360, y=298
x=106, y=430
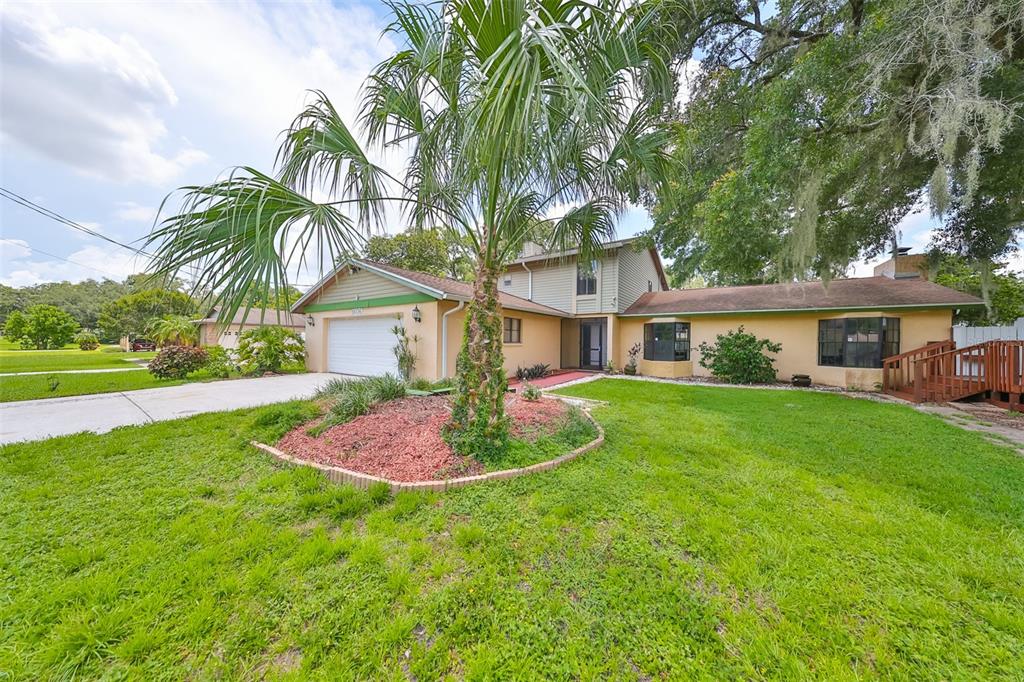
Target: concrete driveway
x=36, y=419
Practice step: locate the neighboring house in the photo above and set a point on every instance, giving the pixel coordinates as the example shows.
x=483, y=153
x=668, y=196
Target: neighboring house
x=214, y=333
x=571, y=315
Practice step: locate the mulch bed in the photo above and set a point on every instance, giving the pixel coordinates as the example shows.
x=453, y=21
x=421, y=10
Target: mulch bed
x=401, y=439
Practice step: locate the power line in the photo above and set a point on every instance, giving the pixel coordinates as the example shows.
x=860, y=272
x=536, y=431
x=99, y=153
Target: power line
x=57, y=217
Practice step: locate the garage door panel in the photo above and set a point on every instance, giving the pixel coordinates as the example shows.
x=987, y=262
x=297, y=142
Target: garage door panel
x=361, y=345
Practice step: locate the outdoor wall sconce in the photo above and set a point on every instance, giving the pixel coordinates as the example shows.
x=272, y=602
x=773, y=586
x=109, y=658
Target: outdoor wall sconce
x=310, y=321
x=416, y=314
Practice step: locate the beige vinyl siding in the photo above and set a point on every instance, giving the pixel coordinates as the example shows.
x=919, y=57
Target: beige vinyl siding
x=608, y=283
x=554, y=285
x=636, y=269
x=360, y=286
x=520, y=284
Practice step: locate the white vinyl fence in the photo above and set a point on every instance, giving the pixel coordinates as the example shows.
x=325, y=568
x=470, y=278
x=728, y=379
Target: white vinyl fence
x=968, y=336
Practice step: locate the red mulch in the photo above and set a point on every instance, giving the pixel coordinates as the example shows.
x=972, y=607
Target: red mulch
x=401, y=439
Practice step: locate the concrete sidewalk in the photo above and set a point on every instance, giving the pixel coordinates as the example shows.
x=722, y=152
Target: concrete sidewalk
x=36, y=419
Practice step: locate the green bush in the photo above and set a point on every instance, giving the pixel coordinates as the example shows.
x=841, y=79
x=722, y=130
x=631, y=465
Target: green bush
x=177, y=362
x=532, y=372
x=219, y=362
x=87, y=340
x=350, y=398
x=530, y=392
x=740, y=358
x=268, y=349
x=41, y=326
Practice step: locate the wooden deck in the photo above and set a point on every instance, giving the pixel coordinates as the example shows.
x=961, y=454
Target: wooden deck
x=938, y=372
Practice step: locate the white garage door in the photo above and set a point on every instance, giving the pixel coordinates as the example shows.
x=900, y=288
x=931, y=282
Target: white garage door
x=361, y=345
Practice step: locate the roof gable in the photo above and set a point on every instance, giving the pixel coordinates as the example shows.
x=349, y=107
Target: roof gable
x=332, y=289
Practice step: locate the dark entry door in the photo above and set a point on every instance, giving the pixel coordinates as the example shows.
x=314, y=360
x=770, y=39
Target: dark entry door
x=592, y=340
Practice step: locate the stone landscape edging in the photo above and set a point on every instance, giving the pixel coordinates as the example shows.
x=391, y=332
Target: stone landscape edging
x=360, y=480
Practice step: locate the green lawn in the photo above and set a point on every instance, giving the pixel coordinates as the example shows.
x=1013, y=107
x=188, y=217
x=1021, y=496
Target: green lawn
x=56, y=360
x=7, y=344
x=37, y=386
x=719, y=533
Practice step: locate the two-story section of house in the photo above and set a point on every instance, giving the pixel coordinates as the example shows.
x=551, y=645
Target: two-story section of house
x=593, y=293
x=566, y=313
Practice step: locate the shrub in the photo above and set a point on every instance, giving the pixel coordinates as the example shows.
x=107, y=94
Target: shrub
x=634, y=351
x=421, y=384
x=404, y=354
x=219, y=362
x=87, y=340
x=532, y=372
x=268, y=349
x=176, y=362
x=740, y=358
x=42, y=326
x=530, y=392
x=351, y=398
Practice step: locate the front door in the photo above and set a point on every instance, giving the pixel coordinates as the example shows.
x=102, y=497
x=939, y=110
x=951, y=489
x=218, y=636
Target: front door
x=592, y=339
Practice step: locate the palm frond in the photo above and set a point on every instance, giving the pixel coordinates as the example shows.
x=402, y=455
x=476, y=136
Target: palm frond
x=239, y=236
x=320, y=150
x=584, y=227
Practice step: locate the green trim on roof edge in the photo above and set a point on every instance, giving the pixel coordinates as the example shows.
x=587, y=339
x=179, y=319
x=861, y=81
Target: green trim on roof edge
x=776, y=311
x=400, y=299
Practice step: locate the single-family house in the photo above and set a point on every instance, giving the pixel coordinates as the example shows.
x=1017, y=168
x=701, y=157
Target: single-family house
x=214, y=333
x=571, y=314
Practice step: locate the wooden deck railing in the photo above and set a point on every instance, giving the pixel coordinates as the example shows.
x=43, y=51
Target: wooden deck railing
x=939, y=373
x=898, y=370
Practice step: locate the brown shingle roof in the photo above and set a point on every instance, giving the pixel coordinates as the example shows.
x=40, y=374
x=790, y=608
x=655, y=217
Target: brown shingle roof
x=864, y=292
x=256, y=316
x=464, y=290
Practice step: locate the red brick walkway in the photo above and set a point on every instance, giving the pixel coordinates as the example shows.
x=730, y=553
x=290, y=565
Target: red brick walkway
x=554, y=379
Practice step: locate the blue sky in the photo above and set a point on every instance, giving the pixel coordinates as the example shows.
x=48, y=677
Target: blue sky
x=105, y=108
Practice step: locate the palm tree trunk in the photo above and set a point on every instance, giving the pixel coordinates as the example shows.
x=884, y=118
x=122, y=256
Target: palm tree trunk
x=478, y=426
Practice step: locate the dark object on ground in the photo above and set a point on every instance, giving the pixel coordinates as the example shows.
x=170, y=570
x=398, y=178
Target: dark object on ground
x=801, y=380
x=141, y=345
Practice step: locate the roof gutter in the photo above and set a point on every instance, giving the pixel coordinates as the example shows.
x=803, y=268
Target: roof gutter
x=444, y=338
x=903, y=306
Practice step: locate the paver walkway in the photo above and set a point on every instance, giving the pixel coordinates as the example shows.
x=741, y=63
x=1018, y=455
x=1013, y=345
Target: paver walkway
x=36, y=419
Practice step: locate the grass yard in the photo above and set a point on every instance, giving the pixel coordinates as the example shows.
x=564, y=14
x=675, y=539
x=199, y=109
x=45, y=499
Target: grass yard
x=719, y=533
x=38, y=386
x=57, y=360
x=7, y=344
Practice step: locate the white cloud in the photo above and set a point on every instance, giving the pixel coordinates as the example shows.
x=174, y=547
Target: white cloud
x=20, y=266
x=248, y=65
x=86, y=98
x=687, y=80
x=131, y=212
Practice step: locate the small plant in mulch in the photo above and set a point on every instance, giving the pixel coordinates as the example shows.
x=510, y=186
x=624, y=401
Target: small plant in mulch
x=532, y=372
x=530, y=392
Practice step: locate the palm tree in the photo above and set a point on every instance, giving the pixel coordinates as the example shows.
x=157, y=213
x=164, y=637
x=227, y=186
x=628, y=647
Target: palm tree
x=510, y=111
x=176, y=330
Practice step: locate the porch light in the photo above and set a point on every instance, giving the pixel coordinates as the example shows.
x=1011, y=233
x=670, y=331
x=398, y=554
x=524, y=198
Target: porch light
x=416, y=314
x=310, y=321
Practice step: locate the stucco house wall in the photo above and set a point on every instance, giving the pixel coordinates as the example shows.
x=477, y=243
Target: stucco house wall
x=541, y=339
x=798, y=334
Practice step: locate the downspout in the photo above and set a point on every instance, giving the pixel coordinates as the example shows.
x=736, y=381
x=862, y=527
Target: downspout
x=444, y=338
x=529, y=294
